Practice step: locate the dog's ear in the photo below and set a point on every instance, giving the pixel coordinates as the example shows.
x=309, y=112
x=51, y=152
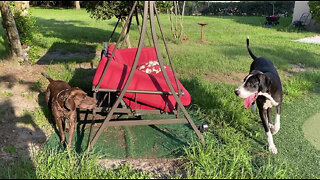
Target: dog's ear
x=69, y=104
x=264, y=82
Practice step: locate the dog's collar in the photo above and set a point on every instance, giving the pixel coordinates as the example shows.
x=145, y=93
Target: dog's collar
x=62, y=91
x=64, y=97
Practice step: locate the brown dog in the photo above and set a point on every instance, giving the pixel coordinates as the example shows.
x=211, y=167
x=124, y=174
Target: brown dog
x=63, y=101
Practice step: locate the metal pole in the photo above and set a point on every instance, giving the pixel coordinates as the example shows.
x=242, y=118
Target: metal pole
x=202, y=32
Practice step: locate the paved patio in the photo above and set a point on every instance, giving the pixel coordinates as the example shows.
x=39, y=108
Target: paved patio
x=314, y=40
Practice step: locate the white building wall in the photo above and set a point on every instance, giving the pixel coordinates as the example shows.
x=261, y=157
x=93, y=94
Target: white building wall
x=301, y=7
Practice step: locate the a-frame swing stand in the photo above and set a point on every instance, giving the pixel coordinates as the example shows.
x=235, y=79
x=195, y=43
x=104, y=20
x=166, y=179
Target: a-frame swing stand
x=110, y=119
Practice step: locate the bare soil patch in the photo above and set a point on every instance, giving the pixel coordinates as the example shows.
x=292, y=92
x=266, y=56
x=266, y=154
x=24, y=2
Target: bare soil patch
x=18, y=99
x=163, y=168
x=232, y=79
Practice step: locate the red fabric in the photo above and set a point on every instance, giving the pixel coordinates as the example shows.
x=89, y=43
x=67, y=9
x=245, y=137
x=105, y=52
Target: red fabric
x=126, y=56
x=119, y=70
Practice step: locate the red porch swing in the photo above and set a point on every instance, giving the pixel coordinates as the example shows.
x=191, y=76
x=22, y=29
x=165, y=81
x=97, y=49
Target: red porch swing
x=142, y=83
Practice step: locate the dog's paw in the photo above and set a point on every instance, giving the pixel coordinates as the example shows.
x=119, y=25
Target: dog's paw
x=63, y=138
x=271, y=126
x=62, y=142
x=274, y=129
x=273, y=150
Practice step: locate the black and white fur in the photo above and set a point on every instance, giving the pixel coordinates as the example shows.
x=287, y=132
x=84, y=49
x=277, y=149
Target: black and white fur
x=263, y=79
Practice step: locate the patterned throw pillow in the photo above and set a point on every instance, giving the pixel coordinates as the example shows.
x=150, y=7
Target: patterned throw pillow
x=151, y=67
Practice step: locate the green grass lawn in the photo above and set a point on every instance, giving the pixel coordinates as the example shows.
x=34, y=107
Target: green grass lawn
x=236, y=142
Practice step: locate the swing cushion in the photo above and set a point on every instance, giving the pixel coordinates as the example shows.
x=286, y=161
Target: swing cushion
x=119, y=70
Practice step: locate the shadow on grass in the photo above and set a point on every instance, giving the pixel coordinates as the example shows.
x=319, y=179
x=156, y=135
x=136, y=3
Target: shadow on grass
x=83, y=79
x=69, y=31
x=57, y=55
x=79, y=43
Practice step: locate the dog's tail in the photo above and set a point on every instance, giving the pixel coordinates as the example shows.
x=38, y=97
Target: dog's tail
x=251, y=54
x=48, y=77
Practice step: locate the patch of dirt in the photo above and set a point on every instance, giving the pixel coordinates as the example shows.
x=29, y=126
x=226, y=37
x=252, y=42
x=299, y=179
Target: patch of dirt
x=297, y=68
x=20, y=139
x=233, y=79
x=161, y=167
x=18, y=99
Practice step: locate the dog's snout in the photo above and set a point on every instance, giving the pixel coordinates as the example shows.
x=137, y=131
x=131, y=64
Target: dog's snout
x=237, y=92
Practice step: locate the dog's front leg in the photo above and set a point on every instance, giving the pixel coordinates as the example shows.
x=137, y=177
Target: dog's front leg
x=72, y=126
x=58, y=121
x=263, y=116
x=277, y=123
x=271, y=126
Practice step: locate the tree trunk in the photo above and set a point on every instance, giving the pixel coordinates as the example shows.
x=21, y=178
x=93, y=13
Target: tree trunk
x=77, y=5
x=8, y=23
x=21, y=6
x=178, y=16
x=127, y=40
x=181, y=22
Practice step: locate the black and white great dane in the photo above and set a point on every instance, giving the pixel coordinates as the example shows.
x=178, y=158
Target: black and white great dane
x=263, y=85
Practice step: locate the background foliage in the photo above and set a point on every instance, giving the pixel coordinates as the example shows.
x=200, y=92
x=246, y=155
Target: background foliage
x=26, y=27
x=249, y=8
x=315, y=10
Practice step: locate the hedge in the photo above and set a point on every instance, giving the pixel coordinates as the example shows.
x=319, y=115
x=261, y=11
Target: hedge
x=247, y=8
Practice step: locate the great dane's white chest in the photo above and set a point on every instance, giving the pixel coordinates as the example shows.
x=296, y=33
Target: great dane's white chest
x=270, y=102
x=267, y=104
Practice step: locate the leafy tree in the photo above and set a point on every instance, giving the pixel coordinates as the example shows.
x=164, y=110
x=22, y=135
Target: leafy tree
x=105, y=10
x=315, y=10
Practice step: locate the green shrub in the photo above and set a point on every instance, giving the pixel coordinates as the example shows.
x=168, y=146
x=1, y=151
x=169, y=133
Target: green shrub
x=315, y=10
x=254, y=8
x=26, y=27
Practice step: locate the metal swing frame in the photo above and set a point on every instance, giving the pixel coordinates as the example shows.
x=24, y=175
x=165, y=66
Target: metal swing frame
x=114, y=112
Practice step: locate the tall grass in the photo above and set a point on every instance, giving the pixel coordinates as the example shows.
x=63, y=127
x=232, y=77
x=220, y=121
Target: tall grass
x=52, y=164
x=221, y=160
